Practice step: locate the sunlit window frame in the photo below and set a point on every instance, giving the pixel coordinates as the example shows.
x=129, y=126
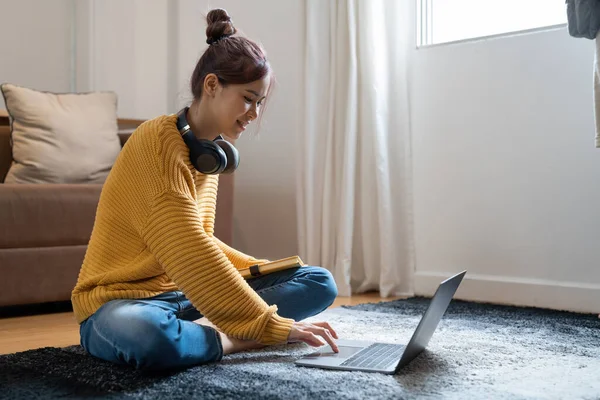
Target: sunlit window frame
x=424, y=27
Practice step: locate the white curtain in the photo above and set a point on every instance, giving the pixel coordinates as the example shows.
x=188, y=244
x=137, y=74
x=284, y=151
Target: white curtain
x=354, y=188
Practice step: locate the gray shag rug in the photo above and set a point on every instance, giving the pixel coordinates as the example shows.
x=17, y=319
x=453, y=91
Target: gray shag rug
x=478, y=351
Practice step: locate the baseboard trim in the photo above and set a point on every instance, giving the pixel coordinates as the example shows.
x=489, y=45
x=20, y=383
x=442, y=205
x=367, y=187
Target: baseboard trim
x=556, y=295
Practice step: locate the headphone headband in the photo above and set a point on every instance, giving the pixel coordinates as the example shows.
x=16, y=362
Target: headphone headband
x=182, y=124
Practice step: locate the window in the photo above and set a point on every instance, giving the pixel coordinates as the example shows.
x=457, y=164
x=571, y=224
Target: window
x=443, y=21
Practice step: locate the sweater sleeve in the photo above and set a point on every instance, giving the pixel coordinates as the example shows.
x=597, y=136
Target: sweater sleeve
x=199, y=267
x=237, y=258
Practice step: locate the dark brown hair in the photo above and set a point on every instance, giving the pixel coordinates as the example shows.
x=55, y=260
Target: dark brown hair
x=233, y=59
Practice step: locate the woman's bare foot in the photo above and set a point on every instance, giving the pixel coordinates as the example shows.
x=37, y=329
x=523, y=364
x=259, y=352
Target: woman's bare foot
x=230, y=344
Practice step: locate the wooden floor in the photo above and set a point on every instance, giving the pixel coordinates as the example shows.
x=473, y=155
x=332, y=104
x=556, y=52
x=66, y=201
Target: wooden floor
x=60, y=329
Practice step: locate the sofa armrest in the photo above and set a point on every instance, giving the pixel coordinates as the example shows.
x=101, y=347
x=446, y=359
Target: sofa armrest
x=5, y=151
x=123, y=136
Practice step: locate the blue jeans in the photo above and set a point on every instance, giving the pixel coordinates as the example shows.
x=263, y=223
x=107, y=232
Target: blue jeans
x=158, y=333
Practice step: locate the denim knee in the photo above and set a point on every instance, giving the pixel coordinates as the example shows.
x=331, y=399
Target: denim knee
x=148, y=338
x=328, y=288
x=157, y=349
x=174, y=344
x=145, y=343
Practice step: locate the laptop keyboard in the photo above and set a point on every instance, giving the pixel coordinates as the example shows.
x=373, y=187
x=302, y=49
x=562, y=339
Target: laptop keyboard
x=376, y=356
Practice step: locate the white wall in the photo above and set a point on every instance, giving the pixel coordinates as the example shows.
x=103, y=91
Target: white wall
x=87, y=45
x=123, y=46
x=506, y=174
x=35, y=44
x=265, y=187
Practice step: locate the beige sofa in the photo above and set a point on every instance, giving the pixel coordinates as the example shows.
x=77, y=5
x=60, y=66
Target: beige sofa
x=45, y=228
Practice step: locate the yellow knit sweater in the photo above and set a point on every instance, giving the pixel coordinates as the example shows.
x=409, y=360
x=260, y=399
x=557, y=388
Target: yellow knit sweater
x=153, y=233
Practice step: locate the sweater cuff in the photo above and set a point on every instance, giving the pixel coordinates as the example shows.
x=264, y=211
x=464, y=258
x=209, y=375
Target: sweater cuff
x=277, y=330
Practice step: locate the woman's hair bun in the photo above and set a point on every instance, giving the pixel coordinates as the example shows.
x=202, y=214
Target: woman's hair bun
x=219, y=25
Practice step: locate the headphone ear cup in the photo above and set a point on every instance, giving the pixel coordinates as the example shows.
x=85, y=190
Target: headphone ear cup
x=232, y=154
x=207, y=157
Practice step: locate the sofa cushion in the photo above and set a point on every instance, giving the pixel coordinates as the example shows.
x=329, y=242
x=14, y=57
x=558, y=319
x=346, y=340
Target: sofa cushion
x=39, y=274
x=45, y=215
x=61, y=138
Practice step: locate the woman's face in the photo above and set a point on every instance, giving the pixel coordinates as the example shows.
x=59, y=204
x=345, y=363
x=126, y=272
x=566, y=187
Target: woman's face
x=235, y=106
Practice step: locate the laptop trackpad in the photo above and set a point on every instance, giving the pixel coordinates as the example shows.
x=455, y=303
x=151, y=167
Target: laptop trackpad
x=345, y=352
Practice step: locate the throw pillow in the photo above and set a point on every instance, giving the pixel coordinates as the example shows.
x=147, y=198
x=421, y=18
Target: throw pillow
x=61, y=137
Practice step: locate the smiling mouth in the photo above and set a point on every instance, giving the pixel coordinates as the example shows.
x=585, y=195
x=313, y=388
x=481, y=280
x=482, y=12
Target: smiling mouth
x=242, y=125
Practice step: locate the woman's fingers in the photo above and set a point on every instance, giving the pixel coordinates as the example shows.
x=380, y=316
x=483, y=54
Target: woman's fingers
x=330, y=340
x=311, y=339
x=324, y=333
x=328, y=327
x=311, y=334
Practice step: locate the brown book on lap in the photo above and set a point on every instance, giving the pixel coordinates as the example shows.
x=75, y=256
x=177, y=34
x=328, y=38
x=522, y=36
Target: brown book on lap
x=272, y=266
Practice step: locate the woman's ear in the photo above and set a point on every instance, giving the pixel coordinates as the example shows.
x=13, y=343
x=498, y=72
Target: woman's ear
x=211, y=83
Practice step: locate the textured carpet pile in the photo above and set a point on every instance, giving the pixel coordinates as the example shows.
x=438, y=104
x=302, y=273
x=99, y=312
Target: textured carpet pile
x=478, y=351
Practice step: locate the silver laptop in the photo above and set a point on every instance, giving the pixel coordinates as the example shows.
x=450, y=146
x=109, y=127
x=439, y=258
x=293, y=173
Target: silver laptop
x=386, y=358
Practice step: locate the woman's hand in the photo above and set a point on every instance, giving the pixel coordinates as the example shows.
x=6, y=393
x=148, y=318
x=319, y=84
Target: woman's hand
x=309, y=333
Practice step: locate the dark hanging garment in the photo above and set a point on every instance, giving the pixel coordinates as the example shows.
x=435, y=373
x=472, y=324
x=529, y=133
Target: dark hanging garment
x=583, y=18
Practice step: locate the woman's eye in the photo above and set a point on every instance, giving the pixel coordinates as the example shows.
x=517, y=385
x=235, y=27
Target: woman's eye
x=248, y=100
